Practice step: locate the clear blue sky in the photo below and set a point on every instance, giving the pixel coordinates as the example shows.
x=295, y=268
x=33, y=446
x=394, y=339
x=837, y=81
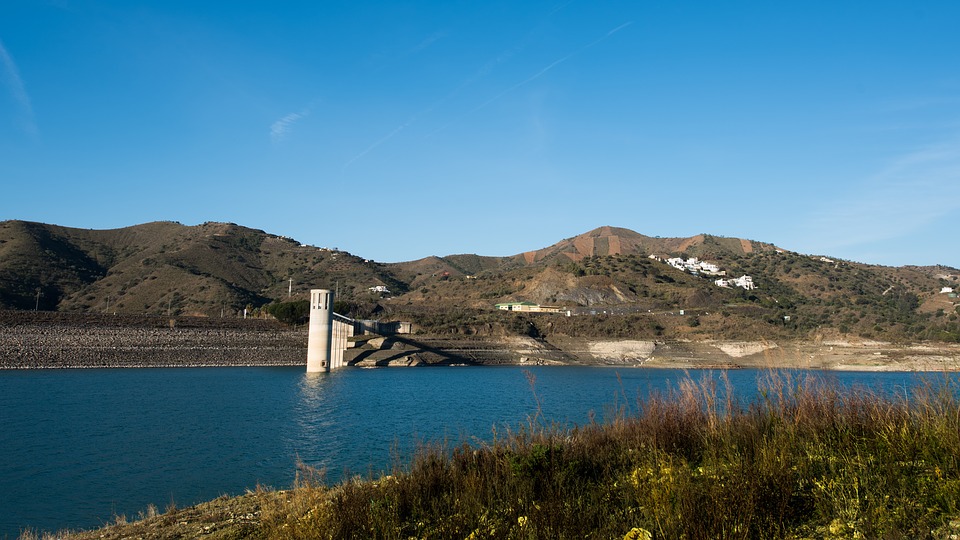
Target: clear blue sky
x=401, y=130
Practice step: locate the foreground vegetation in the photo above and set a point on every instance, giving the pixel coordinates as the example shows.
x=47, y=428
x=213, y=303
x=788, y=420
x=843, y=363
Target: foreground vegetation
x=805, y=460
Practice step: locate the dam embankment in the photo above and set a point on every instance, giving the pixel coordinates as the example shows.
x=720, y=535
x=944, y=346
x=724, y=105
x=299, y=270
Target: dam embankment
x=41, y=340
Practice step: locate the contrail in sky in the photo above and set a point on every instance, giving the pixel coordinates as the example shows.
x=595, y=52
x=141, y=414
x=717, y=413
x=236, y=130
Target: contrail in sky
x=430, y=40
x=536, y=75
x=552, y=65
x=560, y=7
x=483, y=71
x=17, y=89
x=380, y=141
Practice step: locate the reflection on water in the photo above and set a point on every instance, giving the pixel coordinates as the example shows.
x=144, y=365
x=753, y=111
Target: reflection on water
x=316, y=439
x=311, y=385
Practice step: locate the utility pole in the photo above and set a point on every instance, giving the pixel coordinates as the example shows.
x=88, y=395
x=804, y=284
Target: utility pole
x=37, y=306
x=290, y=289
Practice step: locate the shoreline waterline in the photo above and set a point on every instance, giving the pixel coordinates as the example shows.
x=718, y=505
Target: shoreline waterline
x=647, y=364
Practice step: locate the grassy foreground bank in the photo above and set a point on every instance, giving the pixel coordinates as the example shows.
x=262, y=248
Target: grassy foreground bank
x=806, y=460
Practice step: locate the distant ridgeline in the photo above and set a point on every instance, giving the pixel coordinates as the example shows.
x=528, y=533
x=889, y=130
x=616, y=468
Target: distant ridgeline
x=724, y=286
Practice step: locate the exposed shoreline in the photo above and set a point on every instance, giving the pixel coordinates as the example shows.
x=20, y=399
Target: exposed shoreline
x=30, y=340
x=153, y=366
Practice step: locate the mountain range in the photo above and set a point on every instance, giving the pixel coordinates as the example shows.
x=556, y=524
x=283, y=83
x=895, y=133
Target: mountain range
x=217, y=269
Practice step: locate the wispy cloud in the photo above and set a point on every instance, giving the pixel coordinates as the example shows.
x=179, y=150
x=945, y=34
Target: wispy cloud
x=282, y=127
x=913, y=192
x=17, y=90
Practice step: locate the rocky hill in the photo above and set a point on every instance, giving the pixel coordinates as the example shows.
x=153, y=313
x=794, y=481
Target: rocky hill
x=608, y=275
x=609, y=241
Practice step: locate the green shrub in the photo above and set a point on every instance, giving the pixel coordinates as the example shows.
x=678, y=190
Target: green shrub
x=296, y=312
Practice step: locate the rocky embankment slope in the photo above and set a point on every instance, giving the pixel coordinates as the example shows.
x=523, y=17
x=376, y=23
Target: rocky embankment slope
x=833, y=354
x=30, y=340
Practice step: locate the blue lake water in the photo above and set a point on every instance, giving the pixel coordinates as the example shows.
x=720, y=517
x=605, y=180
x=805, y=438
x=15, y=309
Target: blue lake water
x=80, y=446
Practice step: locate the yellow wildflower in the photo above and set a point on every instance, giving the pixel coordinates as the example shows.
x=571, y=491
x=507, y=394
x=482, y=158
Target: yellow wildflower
x=638, y=533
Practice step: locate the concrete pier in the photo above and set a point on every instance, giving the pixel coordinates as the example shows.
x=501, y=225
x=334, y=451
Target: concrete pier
x=320, y=337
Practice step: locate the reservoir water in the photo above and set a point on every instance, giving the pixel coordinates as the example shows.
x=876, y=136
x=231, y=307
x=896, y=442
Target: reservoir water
x=78, y=447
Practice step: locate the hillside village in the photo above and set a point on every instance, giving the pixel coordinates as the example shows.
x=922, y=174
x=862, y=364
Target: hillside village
x=693, y=265
x=697, y=267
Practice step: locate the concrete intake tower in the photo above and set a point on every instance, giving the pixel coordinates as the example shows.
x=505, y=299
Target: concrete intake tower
x=330, y=333
x=319, y=340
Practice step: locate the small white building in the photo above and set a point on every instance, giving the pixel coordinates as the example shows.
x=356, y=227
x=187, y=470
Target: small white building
x=527, y=306
x=382, y=289
x=745, y=282
x=711, y=269
x=677, y=263
x=694, y=266
x=946, y=290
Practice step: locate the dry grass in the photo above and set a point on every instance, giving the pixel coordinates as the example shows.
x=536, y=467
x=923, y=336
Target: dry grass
x=806, y=460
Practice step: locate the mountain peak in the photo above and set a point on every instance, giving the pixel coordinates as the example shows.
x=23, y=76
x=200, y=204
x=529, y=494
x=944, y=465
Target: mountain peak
x=609, y=240
x=608, y=230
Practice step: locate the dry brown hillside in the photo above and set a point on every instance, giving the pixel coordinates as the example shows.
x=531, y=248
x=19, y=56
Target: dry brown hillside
x=166, y=267
x=607, y=241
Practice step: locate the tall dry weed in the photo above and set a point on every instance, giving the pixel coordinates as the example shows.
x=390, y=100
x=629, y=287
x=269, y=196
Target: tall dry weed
x=807, y=458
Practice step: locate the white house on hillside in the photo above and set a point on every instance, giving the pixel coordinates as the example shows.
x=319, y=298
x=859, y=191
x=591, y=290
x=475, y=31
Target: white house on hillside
x=694, y=265
x=744, y=282
x=709, y=268
x=677, y=263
